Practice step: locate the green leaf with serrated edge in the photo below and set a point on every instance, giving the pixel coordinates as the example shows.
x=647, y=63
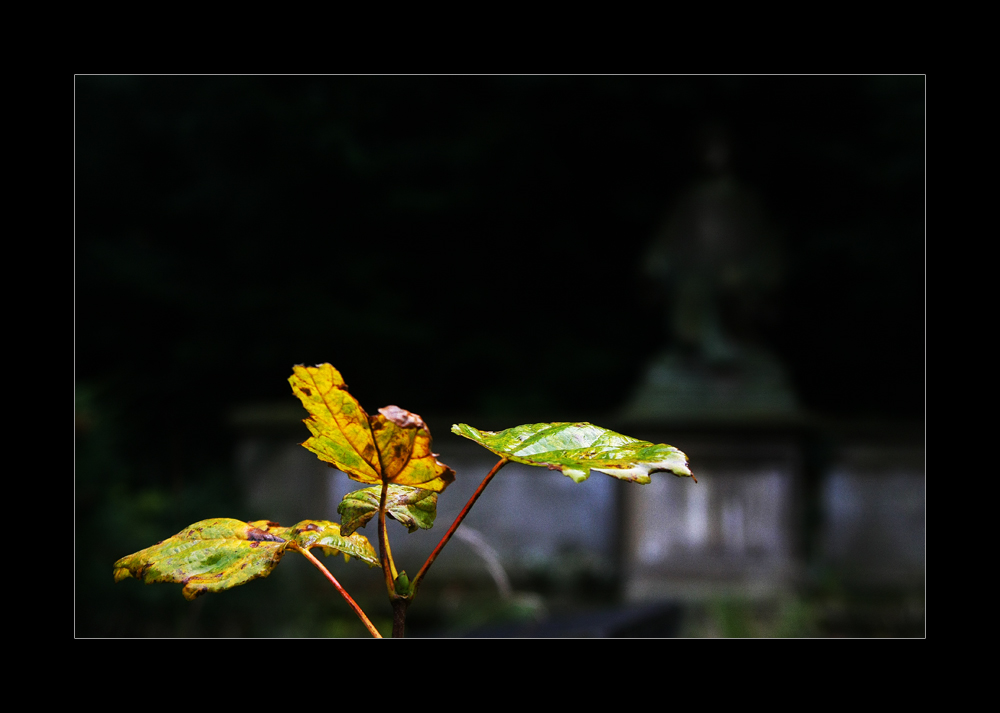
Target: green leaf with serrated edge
x=577, y=448
x=222, y=553
x=413, y=507
x=345, y=436
x=328, y=537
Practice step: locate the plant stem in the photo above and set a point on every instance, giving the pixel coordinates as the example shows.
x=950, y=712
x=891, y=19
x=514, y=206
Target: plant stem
x=343, y=592
x=392, y=562
x=385, y=556
x=399, y=606
x=454, y=526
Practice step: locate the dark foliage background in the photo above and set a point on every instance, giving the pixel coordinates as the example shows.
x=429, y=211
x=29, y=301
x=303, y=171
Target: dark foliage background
x=452, y=245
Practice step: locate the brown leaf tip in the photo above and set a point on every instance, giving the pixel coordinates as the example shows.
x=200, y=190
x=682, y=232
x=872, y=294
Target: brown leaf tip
x=402, y=418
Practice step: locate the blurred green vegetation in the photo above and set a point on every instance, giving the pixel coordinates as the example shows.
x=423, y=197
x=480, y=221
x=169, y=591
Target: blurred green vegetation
x=811, y=615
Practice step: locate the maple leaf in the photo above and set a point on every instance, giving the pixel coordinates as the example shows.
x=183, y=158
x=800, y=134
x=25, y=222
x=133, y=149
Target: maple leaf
x=394, y=445
x=577, y=448
x=221, y=553
x=412, y=507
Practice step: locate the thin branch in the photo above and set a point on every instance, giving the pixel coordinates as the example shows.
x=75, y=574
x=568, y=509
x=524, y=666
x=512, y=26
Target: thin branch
x=454, y=526
x=343, y=592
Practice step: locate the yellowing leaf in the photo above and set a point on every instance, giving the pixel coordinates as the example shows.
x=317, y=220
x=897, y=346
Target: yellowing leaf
x=394, y=443
x=577, y=448
x=221, y=553
x=404, y=444
x=342, y=435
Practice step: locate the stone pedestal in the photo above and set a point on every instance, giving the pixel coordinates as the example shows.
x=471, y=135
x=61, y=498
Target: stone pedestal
x=873, y=504
x=733, y=532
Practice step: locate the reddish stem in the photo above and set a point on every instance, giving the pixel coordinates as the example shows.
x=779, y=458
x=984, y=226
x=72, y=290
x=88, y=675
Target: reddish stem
x=454, y=526
x=343, y=592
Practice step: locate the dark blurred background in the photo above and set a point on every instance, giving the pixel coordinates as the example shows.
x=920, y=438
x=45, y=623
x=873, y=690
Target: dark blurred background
x=464, y=247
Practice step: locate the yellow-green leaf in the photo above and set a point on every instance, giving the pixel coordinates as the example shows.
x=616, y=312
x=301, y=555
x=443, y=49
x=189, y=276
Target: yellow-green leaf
x=221, y=553
x=327, y=536
x=577, y=448
x=413, y=507
x=394, y=443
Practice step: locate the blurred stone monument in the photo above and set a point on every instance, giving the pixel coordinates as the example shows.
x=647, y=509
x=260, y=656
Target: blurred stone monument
x=715, y=264
x=715, y=267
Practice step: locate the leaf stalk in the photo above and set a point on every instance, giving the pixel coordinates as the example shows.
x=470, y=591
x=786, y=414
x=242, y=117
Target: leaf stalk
x=454, y=526
x=343, y=592
x=385, y=554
